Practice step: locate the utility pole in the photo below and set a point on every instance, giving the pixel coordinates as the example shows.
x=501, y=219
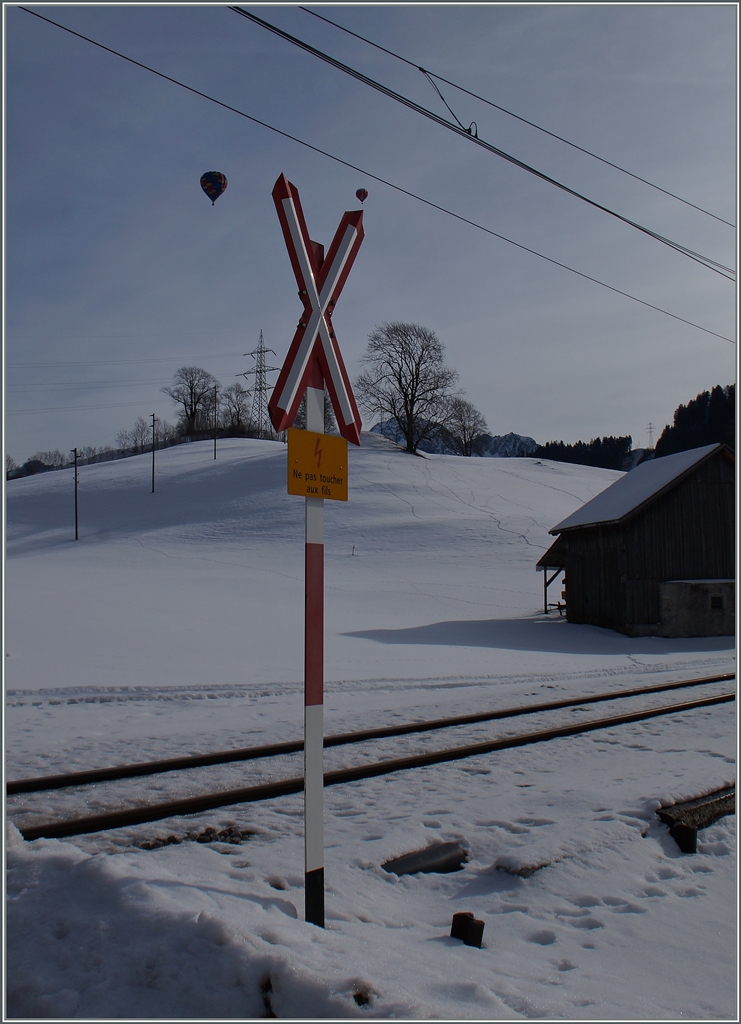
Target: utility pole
x=216, y=419
x=650, y=437
x=259, y=415
x=77, y=480
x=154, y=444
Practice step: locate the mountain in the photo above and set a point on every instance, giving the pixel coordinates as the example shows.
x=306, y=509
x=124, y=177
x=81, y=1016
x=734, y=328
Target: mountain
x=506, y=446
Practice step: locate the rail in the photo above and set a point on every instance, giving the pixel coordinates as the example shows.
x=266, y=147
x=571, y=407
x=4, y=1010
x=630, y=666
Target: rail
x=266, y=791
x=143, y=768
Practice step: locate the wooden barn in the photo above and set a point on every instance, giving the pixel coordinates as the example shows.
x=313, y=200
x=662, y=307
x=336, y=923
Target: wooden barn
x=653, y=554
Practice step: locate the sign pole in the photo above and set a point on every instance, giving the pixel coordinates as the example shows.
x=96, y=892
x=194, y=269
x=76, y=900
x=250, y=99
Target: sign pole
x=314, y=682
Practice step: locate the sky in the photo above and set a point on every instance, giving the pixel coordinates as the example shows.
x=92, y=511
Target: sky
x=119, y=270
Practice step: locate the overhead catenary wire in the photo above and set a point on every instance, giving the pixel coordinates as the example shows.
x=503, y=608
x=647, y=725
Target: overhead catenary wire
x=431, y=74
x=458, y=129
x=383, y=181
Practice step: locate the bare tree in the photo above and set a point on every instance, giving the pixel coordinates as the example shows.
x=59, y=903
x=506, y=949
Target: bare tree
x=167, y=434
x=465, y=428
x=10, y=465
x=137, y=439
x=192, y=388
x=54, y=460
x=330, y=423
x=235, y=405
x=141, y=435
x=208, y=415
x=123, y=440
x=406, y=380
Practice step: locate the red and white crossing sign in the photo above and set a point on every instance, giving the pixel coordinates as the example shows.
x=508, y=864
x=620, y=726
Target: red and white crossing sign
x=314, y=347
x=313, y=361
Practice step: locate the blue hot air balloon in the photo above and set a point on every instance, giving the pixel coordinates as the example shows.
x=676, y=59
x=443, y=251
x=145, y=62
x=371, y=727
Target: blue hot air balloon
x=213, y=184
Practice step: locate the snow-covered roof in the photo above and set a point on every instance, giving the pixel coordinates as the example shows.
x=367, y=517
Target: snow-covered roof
x=635, y=489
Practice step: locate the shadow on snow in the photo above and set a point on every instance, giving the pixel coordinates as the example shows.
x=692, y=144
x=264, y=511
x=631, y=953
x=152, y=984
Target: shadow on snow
x=552, y=635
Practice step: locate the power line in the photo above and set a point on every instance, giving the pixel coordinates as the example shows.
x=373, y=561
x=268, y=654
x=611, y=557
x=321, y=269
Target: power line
x=138, y=334
x=112, y=362
x=68, y=386
x=383, y=181
x=431, y=74
x=470, y=136
x=70, y=408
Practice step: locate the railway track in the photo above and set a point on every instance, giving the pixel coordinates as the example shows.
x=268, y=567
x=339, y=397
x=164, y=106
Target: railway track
x=140, y=814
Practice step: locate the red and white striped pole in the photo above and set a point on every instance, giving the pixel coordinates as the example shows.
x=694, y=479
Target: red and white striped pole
x=314, y=679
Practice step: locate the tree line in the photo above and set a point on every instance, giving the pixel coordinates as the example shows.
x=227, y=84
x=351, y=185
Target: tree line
x=602, y=452
x=710, y=418
x=42, y=462
x=406, y=382
x=204, y=408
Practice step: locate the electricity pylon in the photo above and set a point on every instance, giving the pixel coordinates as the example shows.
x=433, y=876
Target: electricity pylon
x=259, y=416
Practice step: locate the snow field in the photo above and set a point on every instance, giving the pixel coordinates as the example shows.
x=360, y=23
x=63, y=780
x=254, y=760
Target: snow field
x=175, y=625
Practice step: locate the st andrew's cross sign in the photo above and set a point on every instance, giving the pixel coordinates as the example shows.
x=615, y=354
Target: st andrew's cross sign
x=317, y=468
x=320, y=280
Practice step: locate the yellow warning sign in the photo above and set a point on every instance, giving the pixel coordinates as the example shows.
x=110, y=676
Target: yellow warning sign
x=317, y=465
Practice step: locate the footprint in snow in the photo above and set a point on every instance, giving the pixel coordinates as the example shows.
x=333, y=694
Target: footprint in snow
x=667, y=873
x=587, y=922
x=586, y=901
x=655, y=890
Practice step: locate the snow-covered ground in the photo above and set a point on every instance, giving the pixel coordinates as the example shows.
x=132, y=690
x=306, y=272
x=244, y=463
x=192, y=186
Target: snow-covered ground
x=175, y=625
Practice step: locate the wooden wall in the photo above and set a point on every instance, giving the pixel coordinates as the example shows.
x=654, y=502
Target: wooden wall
x=613, y=572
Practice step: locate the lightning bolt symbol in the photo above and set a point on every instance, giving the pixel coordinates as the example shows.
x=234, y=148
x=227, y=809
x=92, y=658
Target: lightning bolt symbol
x=318, y=453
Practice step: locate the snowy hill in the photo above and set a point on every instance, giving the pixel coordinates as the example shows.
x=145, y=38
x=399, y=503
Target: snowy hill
x=175, y=625
x=208, y=569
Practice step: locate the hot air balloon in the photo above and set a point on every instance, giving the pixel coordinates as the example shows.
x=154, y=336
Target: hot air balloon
x=213, y=184
x=362, y=194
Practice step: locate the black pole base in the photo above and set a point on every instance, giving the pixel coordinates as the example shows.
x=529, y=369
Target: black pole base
x=314, y=895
